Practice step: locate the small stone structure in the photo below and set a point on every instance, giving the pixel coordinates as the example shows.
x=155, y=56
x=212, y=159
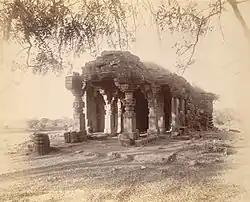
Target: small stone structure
x=74, y=137
x=41, y=143
x=119, y=94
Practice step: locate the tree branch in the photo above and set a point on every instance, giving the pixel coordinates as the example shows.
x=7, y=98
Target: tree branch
x=240, y=18
x=243, y=1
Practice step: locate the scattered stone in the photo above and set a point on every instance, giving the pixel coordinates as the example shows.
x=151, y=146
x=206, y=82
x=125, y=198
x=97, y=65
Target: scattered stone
x=79, y=151
x=225, y=151
x=100, y=154
x=51, y=179
x=114, y=155
x=30, y=147
x=172, y=158
x=143, y=167
x=182, y=174
x=164, y=171
x=193, y=163
x=234, y=131
x=218, y=160
x=114, y=169
x=129, y=157
x=89, y=154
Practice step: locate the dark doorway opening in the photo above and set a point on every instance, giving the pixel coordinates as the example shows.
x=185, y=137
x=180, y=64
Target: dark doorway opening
x=167, y=106
x=141, y=110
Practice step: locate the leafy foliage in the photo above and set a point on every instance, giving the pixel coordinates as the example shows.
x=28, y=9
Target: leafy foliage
x=50, y=31
x=193, y=19
x=45, y=123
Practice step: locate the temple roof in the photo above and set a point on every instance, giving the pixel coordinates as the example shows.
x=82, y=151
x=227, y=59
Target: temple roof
x=128, y=67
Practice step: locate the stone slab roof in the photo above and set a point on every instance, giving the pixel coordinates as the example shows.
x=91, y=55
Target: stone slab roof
x=128, y=67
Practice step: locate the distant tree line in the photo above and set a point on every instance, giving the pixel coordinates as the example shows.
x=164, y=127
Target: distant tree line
x=48, y=124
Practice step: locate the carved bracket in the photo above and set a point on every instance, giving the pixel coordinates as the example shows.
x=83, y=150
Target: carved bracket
x=107, y=96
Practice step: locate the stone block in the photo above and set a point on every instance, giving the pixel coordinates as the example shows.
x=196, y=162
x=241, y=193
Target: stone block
x=125, y=143
x=74, y=137
x=41, y=143
x=67, y=137
x=138, y=143
x=82, y=136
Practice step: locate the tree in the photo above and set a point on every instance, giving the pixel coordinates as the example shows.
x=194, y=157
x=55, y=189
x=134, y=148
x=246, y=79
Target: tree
x=194, y=19
x=32, y=123
x=234, y=4
x=51, y=31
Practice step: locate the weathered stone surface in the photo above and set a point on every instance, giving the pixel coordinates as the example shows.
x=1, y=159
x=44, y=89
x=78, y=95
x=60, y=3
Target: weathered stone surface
x=74, y=137
x=117, y=75
x=146, y=140
x=114, y=155
x=41, y=143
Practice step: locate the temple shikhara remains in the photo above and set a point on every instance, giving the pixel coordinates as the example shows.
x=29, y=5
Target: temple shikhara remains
x=118, y=94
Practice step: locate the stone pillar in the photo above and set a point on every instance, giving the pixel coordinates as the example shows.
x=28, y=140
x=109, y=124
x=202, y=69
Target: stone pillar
x=161, y=117
x=129, y=117
x=78, y=116
x=177, y=111
x=152, y=117
x=182, y=105
x=182, y=112
x=109, y=125
x=119, y=116
x=76, y=85
x=129, y=134
x=173, y=114
x=87, y=107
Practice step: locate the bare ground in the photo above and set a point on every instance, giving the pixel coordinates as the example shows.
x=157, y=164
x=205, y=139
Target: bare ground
x=166, y=170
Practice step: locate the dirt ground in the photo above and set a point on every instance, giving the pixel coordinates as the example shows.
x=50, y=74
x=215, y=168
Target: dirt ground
x=166, y=170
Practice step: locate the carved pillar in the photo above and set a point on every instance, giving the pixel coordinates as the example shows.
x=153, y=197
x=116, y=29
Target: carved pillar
x=78, y=116
x=173, y=113
x=119, y=116
x=152, y=117
x=75, y=84
x=161, y=117
x=129, y=117
x=87, y=109
x=109, y=125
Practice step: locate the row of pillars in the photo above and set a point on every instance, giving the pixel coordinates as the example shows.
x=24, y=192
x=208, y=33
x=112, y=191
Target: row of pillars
x=128, y=118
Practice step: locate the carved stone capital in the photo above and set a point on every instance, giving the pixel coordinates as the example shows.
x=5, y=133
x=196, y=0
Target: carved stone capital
x=152, y=102
x=107, y=96
x=125, y=87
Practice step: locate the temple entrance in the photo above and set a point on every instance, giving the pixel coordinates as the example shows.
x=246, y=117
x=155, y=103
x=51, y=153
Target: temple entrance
x=100, y=112
x=141, y=110
x=167, y=107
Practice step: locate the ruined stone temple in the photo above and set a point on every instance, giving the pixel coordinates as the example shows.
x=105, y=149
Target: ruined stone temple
x=117, y=93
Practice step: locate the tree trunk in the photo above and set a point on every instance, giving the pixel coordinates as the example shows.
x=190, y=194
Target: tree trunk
x=239, y=16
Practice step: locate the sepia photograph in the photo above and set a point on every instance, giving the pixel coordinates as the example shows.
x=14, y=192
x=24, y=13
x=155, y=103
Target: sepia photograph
x=124, y=100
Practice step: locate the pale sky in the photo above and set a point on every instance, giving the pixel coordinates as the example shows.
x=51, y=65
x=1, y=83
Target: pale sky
x=222, y=67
